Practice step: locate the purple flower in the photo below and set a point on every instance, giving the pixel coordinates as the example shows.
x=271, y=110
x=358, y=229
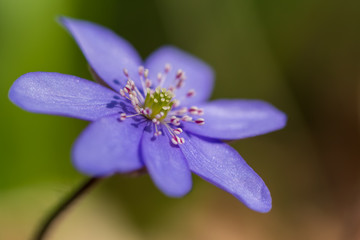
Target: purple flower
x=153, y=114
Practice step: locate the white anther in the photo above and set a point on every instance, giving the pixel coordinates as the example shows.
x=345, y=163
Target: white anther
x=186, y=118
x=178, y=130
x=141, y=70
x=167, y=68
x=190, y=93
x=148, y=111
x=155, y=100
x=131, y=83
x=180, y=83
x=157, y=133
x=159, y=77
x=127, y=89
x=176, y=103
x=200, y=112
x=174, y=140
x=163, y=99
x=146, y=73
x=175, y=121
x=182, y=111
x=165, y=108
x=122, y=116
x=183, y=77
x=122, y=93
x=134, y=102
x=126, y=72
x=193, y=110
x=200, y=121
x=179, y=73
x=148, y=83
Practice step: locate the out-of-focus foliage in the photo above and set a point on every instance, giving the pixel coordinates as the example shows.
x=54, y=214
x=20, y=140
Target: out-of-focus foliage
x=302, y=56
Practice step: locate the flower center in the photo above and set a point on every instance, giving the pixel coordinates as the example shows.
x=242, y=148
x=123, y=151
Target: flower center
x=159, y=105
x=159, y=101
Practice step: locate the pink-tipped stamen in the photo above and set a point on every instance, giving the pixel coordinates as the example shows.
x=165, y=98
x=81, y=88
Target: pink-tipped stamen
x=190, y=93
x=200, y=121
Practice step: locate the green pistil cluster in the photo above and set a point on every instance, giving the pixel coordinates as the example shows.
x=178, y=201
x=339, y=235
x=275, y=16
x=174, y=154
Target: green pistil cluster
x=159, y=101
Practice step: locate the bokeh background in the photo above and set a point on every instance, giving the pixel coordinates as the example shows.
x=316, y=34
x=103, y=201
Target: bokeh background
x=301, y=55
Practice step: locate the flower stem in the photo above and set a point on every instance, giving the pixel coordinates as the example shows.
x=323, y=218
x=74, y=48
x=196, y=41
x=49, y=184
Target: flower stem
x=45, y=227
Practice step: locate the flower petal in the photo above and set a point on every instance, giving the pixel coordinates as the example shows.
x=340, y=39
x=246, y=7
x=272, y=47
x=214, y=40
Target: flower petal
x=107, y=53
x=199, y=76
x=234, y=119
x=166, y=164
x=109, y=146
x=222, y=166
x=66, y=95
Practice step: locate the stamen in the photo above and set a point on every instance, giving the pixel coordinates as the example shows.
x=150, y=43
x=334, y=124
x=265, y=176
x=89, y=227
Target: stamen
x=157, y=104
x=141, y=70
x=180, y=83
x=176, y=103
x=122, y=116
x=179, y=74
x=155, y=121
x=159, y=77
x=127, y=89
x=157, y=132
x=175, y=121
x=176, y=140
x=200, y=121
x=193, y=110
x=186, y=118
x=190, y=93
x=146, y=73
x=148, y=83
x=178, y=131
x=167, y=68
x=126, y=72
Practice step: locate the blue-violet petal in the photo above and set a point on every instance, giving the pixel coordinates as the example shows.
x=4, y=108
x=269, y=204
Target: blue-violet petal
x=66, y=95
x=221, y=165
x=235, y=119
x=166, y=164
x=109, y=146
x=106, y=52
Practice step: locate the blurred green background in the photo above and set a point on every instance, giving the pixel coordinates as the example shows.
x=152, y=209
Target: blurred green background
x=301, y=55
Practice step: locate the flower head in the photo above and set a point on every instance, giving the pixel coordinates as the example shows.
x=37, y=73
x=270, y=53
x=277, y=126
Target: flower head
x=153, y=114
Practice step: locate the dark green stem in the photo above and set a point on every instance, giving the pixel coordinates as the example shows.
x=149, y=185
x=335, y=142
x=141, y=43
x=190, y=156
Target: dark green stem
x=45, y=227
